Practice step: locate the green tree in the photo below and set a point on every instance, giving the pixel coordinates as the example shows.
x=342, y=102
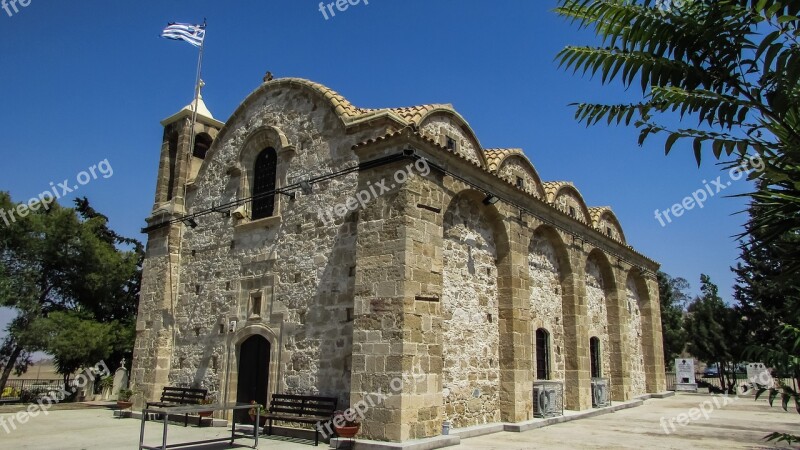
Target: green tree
x=672, y=293
x=715, y=332
x=784, y=357
x=767, y=299
x=730, y=66
x=57, y=264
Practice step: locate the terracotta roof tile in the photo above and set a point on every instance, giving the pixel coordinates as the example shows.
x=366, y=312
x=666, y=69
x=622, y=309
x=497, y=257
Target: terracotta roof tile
x=495, y=156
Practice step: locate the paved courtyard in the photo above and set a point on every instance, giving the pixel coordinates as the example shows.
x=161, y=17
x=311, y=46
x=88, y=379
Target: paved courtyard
x=738, y=425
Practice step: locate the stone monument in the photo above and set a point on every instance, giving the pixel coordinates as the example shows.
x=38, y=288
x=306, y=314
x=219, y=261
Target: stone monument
x=684, y=375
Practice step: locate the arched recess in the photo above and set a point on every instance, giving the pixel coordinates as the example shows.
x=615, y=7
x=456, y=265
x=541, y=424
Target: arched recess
x=202, y=142
x=258, y=141
x=235, y=360
x=549, y=269
x=634, y=337
x=441, y=123
x=512, y=164
x=476, y=291
x=636, y=287
x=570, y=201
x=604, y=317
x=605, y=221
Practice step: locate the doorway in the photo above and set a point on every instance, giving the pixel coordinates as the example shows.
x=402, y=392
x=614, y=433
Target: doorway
x=253, y=376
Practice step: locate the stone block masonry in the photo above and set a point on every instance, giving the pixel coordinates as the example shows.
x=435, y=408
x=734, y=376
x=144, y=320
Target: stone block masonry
x=432, y=280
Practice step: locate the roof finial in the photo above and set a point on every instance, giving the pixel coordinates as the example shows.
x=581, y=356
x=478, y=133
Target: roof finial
x=200, y=87
x=268, y=77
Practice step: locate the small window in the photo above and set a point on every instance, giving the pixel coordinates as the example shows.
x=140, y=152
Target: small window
x=520, y=183
x=255, y=305
x=572, y=212
x=594, y=357
x=450, y=143
x=264, y=174
x=202, y=142
x=609, y=232
x=542, y=354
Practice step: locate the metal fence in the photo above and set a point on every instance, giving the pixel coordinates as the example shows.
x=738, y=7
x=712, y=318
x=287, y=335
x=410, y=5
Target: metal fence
x=703, y=381
x=16, y=390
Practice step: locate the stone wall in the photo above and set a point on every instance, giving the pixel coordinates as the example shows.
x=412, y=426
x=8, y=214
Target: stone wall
x=634, y=329
x=470, y=318
x=425, y=284
x=596, y=298
x=439, y=126
x=546, y=300
x=300, y=262
x=569, y=202
x=605, y=223
x=515, y=167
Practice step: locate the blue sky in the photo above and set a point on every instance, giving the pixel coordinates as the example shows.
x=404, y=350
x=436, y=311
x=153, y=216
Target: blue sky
x=90, y=80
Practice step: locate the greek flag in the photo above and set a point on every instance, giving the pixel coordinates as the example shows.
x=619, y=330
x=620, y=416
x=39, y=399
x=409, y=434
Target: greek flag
x=193, y=34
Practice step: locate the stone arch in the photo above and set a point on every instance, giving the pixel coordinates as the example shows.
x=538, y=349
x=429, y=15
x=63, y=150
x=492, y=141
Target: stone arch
x=536, y=187
x=633, y=303
x=565, y=197
x=476, y=289
x=548, y=269
x=461, y=127
x=604, y=220
x=256, y=142
x=202, y=142
x=232, y=366
x=600, y=305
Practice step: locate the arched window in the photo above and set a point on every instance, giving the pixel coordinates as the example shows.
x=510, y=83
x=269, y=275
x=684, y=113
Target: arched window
x=542, y=354
x=264, y=182
x=594, y=357
x=202, y=142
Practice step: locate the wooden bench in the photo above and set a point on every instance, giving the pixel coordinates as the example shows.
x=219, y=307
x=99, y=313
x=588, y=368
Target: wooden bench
x=178, y=396
x=307, y=409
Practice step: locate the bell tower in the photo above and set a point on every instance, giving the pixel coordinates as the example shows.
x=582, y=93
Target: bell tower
x=188, y=134
x=183, y=150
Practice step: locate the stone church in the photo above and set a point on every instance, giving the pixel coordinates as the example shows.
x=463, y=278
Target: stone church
x=310, y=246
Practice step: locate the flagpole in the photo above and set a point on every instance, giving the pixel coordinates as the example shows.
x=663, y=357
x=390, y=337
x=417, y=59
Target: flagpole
x=197, y=87
x=191, y=149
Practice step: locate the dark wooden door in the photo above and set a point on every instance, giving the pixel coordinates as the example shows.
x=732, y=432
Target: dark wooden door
x=253, y=379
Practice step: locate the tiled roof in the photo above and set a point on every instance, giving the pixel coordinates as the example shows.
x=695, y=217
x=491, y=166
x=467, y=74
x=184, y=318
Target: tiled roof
x=551, y=188
x=596, y=213
x=495, y=156
x=412, y=117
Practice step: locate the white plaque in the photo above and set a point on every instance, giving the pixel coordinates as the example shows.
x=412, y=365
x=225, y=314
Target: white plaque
x=684, y=375
x=758, y=373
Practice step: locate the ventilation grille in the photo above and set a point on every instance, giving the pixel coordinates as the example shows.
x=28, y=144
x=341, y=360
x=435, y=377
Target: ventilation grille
x=548, y=399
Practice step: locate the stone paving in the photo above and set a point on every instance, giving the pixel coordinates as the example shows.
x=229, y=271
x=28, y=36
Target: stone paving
x=740, y=424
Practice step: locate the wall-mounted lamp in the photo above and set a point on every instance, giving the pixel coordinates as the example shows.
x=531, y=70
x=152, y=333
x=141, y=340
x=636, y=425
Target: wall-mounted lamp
x=189, y=222
x=306, y=187
x=291, y=195
x=409, y=152
x=491, y=199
